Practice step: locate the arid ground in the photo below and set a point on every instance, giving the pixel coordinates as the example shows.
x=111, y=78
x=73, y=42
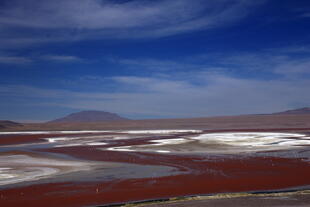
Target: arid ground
x=103, y=164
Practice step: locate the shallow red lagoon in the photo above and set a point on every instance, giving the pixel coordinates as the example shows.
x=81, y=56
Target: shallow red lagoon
x=144, y=173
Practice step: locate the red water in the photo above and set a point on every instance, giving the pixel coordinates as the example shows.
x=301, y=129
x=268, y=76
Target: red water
x=198, y=174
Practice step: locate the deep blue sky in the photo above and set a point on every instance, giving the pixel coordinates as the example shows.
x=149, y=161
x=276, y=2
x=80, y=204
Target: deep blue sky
x=153, y=59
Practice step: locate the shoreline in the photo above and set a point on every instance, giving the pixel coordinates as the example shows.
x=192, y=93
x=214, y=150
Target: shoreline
x=211, y=196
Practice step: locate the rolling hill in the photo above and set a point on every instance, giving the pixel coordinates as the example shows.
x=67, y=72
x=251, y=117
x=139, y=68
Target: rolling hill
x=300, y=111
x=8, y=124
x=89, y=116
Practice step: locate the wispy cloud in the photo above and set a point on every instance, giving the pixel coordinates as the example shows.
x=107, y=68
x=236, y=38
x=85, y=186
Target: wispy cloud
x=307, y=14
x=286, y=61
x=20, y=60
x=15, y=60
x=167, y=97
x=88, y=19
x=294, y=67
x=61, y=58
x=156, y=64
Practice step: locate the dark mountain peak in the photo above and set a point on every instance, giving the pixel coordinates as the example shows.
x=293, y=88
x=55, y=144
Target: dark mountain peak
x=90, y=116
x=305, y=110
x=7, y=124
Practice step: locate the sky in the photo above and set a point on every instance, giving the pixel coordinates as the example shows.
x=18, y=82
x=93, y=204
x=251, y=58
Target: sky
x=147, y=59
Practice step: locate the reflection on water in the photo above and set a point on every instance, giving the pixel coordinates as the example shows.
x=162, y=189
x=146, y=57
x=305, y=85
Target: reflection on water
x=27, y=163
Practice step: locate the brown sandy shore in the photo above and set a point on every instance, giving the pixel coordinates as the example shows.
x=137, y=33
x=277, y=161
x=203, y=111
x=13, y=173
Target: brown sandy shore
x=287, y=199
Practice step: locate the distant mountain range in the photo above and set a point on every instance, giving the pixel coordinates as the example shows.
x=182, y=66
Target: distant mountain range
x=7, y=124
x=305, y=110
x=102, y=116
x=89, y=116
